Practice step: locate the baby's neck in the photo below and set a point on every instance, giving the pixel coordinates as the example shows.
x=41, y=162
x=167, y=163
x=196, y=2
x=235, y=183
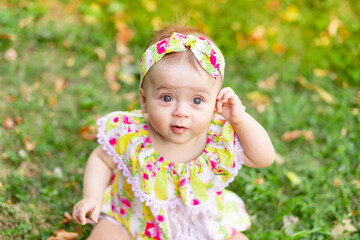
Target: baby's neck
x=178, y=153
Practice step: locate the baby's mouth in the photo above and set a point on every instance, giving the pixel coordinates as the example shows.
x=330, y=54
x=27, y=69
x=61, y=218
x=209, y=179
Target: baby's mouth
x=178, y=129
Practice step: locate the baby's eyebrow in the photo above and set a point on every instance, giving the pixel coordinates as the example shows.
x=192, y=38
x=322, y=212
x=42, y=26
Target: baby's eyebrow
x=197, y=90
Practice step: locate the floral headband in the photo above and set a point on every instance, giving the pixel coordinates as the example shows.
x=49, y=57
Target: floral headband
x=206, y=52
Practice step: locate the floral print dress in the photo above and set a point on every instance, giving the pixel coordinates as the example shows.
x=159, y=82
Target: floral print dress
x=154, y=198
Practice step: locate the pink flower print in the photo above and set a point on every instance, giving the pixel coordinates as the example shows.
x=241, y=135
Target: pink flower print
x=171, y=165
x=113, y=207
x=112, y=141
x=195, y=202
x=233, y=231
x=126, y=203
x=122, y=212
x=219, y=193
x=160, y=218
x=116, y=119
x=213, y=165
x=113, y=177
x=145, y=176
x=147, y=140
x=127, y=120
x=161, y=159
x=213, y=60
x=174, y=172
x=151, y=230
x=161, y=46
x=148, y=167
x=182, y=182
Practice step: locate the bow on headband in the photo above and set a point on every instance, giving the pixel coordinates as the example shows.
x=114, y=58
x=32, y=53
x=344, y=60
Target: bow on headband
x=207, y=53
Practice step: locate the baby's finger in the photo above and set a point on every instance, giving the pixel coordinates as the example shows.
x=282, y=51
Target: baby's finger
x=95, y=214
x=219, y=104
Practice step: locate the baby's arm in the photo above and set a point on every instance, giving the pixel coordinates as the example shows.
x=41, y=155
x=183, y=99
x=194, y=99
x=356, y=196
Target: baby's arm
x=96, y=178
x=258, y=149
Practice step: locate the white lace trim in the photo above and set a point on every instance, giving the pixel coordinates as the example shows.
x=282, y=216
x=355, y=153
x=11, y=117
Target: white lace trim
x=149, y=200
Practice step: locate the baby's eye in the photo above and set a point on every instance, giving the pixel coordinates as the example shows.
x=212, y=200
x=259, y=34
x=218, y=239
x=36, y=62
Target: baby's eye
x=167, y=98
x=197, y=100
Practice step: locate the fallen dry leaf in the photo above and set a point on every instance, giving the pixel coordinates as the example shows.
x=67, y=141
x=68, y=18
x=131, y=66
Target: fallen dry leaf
x=289, y=223
x=100, y=52
x=289, y=136
x=279, y=159
x=291, y=14
x=8, y=123
x=123, y=37
x=29, y=145
x=258, y=101
x=157, y=23
x=327, y=97
x=336, y=182
x=269, y=82
x=320, y=72
x=278, y=48
x=272, y=5
x=67, y=218
x=70, y=62
x=334, y=25
x=52, y=101
x=308, y=135
x=149, y=5
x=26, y=22
x=259, y=181
x=358, y=98
x=61, y=234
x=59, y=84
x=292, y=135
x=356, y=182
x=257, y=37
x=10, y=55
x=88, y=133
x=342, y=229
x=84, y=73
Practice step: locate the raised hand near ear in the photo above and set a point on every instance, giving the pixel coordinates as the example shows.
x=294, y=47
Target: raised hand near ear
x=229, y=105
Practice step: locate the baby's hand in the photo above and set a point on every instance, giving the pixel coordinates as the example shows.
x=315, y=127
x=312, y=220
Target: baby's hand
x=85, y=207
x=229, y=105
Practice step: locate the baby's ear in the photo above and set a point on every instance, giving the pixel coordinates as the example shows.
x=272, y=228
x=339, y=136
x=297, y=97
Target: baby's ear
x=142, y=100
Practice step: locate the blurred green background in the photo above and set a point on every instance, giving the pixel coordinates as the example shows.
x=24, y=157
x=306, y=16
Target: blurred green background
x=294, y=64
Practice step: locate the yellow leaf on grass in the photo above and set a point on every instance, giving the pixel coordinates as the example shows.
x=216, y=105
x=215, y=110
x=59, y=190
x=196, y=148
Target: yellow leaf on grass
x=320, y=72
x=327, y=97
x=294, y=179
x=291, y=14
x=334, y=25
x=258, y=97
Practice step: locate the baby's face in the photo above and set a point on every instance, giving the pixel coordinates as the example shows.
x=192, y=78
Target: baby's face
x=179, y=101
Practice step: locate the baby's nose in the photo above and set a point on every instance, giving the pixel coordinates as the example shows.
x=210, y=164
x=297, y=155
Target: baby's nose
x=181, y=110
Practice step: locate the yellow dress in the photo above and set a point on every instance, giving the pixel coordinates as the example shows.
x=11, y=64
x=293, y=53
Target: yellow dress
x=154, y=198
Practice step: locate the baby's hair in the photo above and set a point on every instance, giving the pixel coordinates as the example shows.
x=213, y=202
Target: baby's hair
x=177, y=56
x=185, y=30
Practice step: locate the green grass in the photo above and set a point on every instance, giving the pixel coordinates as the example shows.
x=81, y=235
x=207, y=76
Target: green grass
x=55, y=44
